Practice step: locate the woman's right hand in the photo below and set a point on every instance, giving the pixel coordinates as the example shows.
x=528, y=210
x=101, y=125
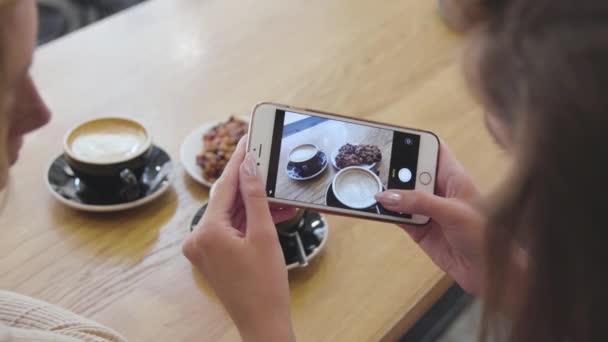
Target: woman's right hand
x=454, y=238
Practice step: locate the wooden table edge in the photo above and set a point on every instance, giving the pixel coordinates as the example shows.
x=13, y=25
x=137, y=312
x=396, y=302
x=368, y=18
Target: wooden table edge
x=410, y=317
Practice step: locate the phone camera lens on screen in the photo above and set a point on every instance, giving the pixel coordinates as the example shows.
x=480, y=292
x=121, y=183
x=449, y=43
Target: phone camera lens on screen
x=339, y=164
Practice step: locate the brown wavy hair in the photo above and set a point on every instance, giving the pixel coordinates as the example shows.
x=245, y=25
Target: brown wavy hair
x=4, y=7
x=541, y=68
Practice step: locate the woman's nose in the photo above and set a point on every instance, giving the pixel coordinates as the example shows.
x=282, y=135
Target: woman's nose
x=30, y=112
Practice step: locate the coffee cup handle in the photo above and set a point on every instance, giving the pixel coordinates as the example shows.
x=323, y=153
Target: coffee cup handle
x=130, y=191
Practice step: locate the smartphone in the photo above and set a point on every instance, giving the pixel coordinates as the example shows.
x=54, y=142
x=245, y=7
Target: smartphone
x=337, y=164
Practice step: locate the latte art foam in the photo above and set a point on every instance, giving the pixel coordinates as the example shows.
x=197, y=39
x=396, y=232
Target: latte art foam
x=303, y=153
x=357, y=188
x=108, y=141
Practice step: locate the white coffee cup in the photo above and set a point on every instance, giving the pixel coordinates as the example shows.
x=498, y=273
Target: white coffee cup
x=356, y=187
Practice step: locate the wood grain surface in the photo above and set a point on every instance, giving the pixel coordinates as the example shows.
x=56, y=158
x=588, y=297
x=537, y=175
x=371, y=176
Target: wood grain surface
x=174, y=65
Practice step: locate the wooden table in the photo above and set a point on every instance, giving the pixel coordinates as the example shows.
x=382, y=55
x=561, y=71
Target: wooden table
x=176, y=64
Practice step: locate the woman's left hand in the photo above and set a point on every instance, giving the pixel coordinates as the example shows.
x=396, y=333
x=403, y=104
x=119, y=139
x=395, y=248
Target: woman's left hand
x=237, y=248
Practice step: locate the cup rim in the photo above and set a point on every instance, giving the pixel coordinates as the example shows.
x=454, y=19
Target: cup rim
x=72, y=156
x=348, y=169
x=303, y=161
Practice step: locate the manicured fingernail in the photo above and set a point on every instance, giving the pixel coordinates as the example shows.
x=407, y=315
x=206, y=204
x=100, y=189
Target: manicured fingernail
x=389, y=198
x=212, y=190
x=249, y=165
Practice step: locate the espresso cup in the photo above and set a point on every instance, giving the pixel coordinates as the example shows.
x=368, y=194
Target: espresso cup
x=109, y=153
x=356, y=187
x=303, y=154
x=305, y=157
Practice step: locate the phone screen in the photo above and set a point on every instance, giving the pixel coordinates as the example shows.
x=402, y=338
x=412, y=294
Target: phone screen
x=339, y=164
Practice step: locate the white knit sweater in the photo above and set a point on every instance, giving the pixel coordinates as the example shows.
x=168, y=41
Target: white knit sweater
x=26, y=319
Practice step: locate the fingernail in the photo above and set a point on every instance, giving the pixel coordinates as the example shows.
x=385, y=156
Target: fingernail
x=212, y=190
x=249, y=165
x=243, y=140
x=389, y=198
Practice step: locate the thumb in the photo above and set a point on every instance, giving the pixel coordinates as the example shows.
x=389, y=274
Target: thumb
x=445, y=211
x=259, y=219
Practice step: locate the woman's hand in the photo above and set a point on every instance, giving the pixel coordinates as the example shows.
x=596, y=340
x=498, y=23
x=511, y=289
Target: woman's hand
x=236, y=247
x=454, y=238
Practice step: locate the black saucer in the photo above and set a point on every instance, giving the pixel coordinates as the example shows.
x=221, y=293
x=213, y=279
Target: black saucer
x=332, y=201
x=317, y=166
x=313, y=234
x=74, y=192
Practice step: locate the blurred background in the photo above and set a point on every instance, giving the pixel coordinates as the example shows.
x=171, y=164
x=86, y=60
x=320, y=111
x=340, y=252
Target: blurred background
x=60, y=17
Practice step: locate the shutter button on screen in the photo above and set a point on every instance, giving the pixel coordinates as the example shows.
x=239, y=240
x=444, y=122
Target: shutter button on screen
x=426, y=178
x=405, y=175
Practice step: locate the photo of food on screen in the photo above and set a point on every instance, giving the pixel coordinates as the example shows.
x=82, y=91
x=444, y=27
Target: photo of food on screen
x=339, y=164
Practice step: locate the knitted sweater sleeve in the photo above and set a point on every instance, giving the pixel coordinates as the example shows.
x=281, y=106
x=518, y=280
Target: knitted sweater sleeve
x=26, y=319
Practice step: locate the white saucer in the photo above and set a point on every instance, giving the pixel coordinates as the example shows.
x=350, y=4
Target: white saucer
x=193, y=146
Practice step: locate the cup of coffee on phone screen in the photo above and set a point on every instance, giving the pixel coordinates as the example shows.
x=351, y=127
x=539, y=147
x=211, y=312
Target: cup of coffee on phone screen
x=365, y=159
x=303, y=156
x=356, y=187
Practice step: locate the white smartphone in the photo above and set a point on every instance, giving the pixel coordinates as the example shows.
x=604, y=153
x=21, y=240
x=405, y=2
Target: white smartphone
x=337, y=164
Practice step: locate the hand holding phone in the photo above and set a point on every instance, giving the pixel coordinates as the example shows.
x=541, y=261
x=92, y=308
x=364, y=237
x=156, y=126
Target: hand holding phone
x=454, y=240
x=236, y=247
x=332, y=163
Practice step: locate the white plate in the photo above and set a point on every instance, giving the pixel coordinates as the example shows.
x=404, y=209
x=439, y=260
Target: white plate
x=193, y=146
x=334, y=154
